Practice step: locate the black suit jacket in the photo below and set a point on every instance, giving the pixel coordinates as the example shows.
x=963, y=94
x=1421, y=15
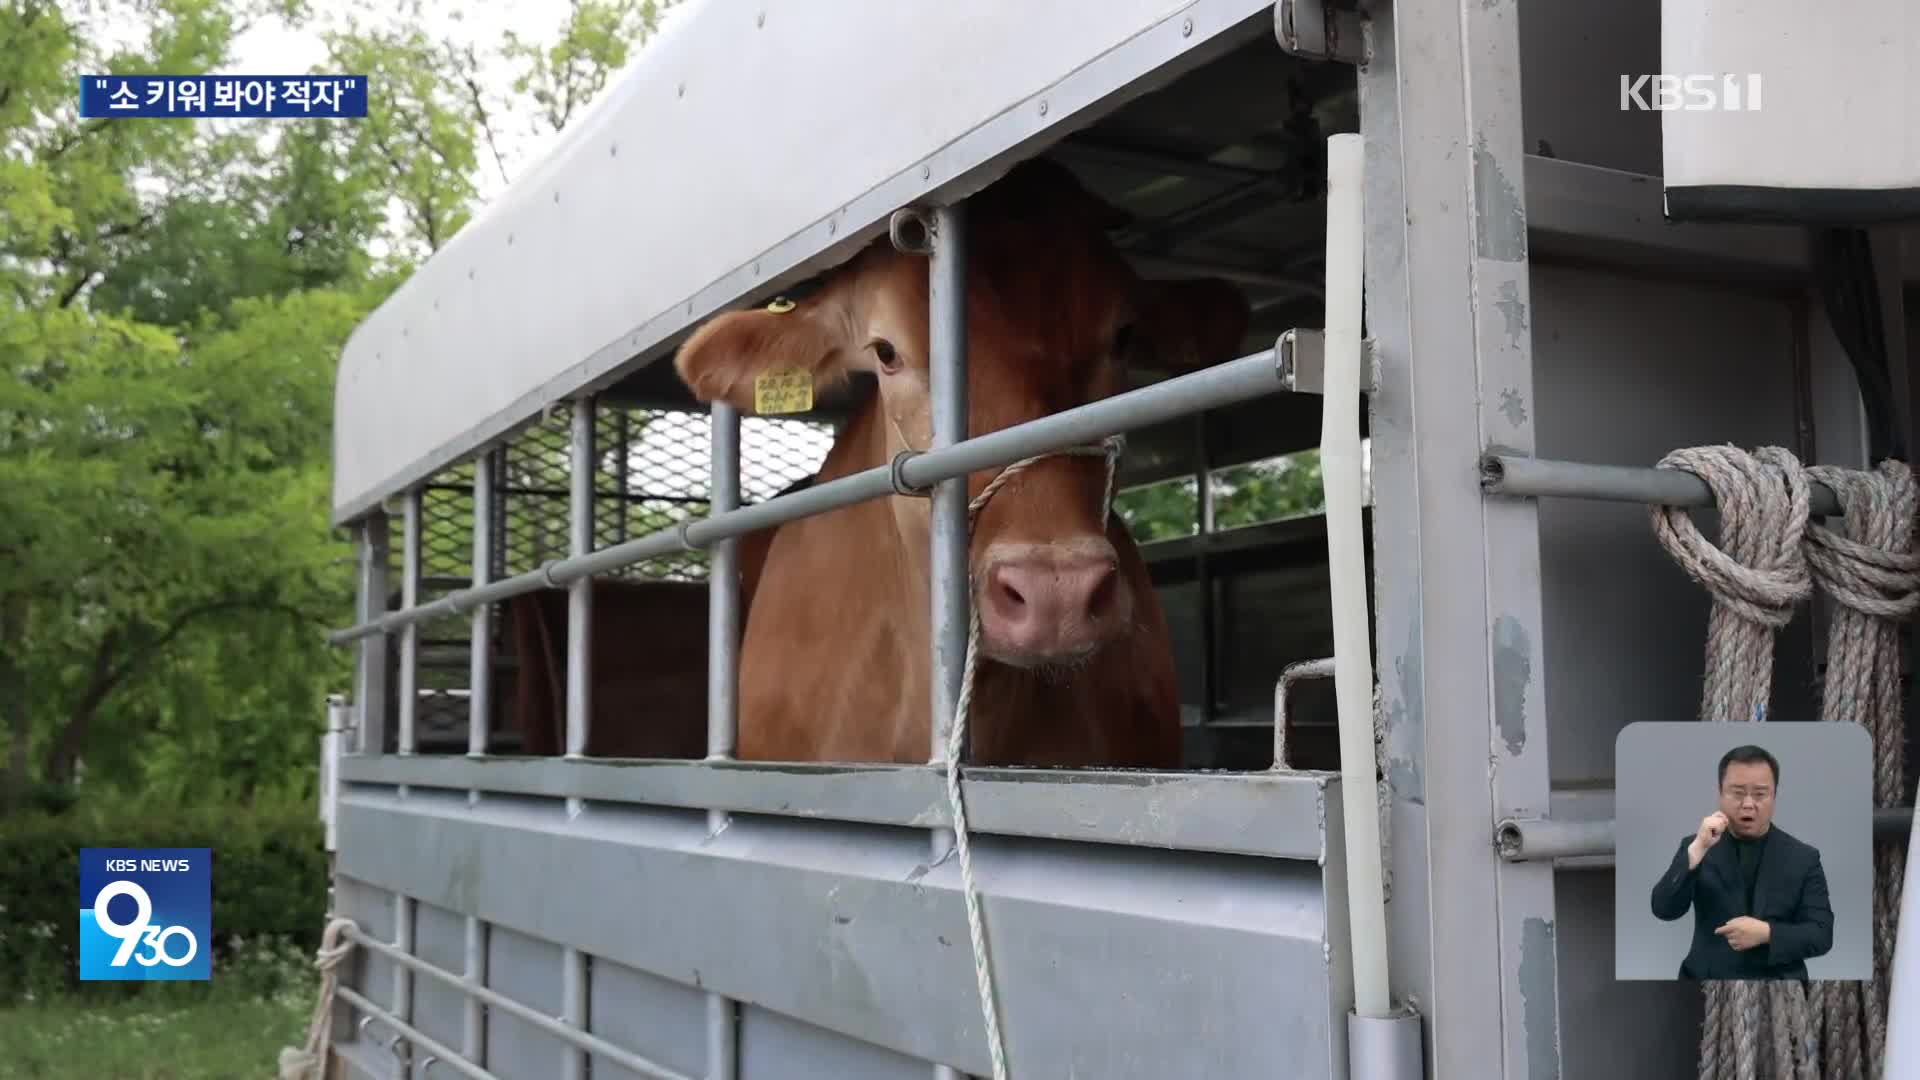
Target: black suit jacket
x=1789, y=895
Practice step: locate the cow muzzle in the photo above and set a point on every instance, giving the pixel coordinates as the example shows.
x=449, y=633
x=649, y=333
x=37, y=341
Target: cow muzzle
x=1050, y=605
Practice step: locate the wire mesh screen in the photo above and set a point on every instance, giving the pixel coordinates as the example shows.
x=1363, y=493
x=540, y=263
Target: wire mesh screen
x=652, y=470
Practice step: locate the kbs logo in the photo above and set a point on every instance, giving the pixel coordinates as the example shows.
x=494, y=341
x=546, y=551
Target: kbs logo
x=146, y=913
x=1690, y=93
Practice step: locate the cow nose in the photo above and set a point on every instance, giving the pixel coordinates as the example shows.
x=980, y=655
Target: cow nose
x=1042, y=607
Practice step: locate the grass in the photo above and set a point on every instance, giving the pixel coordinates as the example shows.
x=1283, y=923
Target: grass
x=232, y=1027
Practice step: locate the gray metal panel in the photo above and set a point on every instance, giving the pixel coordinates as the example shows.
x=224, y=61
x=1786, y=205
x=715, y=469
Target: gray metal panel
x=371, y=907
x=559, y=239
x=1630, y=368
x=439, y=1011
x=523, y=967
x=776, y=1047
x=656, y=1018
x=1573, y=53
x=846, y=927
x=1615, y=1029
x=1275, y=814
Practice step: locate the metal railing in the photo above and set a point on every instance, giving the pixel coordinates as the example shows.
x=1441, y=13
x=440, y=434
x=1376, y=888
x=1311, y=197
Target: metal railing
x=941, y=470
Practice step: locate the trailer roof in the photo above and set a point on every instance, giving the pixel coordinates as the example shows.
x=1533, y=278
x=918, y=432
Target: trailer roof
x=752, y=144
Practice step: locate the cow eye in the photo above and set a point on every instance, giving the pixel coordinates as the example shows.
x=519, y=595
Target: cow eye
x=889, y=359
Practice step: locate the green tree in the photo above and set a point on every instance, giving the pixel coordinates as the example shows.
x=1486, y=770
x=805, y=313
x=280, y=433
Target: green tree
x=176, y=295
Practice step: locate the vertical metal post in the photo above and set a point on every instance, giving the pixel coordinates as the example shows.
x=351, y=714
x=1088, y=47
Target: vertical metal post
x=371, y=679
x=479, y=720
x=573, y=987
x=723, y=686
x=1203, y=566
x=947, y=300
x=1458, y=588
x=403, y=905
x=409, y=634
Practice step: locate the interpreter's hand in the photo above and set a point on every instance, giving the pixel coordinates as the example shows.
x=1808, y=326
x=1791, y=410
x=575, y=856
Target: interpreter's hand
x=1712, y=827
x=1745, y=932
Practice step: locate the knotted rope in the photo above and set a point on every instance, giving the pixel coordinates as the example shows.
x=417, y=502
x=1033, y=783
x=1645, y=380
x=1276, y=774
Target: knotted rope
x=1873, y=575
x=1111, y=449
x=1757, y=576
x=309, y=1062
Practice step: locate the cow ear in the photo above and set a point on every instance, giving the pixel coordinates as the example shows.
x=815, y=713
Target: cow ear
x=725, y=357
x=1192, y=324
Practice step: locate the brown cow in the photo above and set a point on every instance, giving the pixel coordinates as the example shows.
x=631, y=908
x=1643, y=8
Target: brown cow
x=1076, y=668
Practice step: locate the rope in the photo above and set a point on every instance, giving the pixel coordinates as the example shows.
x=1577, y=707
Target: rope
x=309, y=1062
x=1770, y=559
x=1757, y=577
x=1873, y=575
x=1111, y=449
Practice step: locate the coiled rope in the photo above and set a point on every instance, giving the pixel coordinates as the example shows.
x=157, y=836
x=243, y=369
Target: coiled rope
x=309, y=1062
x=1873, y=575
x=1111, y=449
x=1769, y=560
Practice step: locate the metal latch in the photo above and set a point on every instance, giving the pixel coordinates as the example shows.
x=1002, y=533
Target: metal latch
x=1315, y=30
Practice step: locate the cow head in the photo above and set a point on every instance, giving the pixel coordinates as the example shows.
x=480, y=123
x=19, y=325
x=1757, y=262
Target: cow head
x=1056, y=319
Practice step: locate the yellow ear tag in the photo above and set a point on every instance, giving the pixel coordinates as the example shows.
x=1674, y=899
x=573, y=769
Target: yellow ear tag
x=783, y=392
x=780, y=305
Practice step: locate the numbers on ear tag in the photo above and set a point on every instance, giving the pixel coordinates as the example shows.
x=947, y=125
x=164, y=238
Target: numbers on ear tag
x=783, y=392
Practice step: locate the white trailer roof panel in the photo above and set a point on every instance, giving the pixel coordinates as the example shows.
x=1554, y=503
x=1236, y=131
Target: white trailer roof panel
x=752, y=143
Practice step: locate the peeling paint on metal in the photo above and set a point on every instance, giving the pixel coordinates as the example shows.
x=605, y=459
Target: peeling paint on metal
x=1514, y=310
x=1513, y=407
x=1512, y=674
x=1540, y=1013
x=1405, y=722
x=1500, y=227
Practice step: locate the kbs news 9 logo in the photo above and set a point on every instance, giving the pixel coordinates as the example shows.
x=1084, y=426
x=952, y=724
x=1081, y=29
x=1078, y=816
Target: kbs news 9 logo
x=146, y=913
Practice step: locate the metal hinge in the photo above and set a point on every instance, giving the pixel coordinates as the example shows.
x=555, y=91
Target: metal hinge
x=1316, y=30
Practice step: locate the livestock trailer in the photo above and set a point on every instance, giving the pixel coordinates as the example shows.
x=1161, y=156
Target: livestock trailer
x=1439, y=641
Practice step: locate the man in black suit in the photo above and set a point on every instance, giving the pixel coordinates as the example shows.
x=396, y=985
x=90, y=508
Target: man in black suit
x=1759, y=899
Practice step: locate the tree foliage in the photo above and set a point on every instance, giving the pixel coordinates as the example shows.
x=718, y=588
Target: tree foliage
x=174, y=296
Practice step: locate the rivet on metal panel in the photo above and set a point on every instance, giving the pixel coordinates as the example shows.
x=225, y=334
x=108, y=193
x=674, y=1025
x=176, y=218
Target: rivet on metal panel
x=681, y=91
x=1186, y=28
x=613, y=150
x=926, y=172
x=911, y=231
x=760, y=22
x=556, y=196
x=756, y=269
x=1043, y=107
x=832, y=226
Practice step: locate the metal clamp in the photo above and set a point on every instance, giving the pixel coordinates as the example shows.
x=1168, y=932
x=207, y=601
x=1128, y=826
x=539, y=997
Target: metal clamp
x=1315, y=30
x=546, y=574
x=1300, y=359
x=899, y=479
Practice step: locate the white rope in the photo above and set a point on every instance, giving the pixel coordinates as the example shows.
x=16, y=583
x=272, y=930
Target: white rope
x=1110, y=449
x=309, y=1063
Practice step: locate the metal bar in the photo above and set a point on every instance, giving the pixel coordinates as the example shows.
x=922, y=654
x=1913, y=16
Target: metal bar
x=403, y=943
x=723, y=688
x=1305, y=669
x=573, y=970
x=480, y=669
x=371, y=680
x=415, y=1037
x=1203, y=566
x=584, y=1041
x=1523, y=839
x=1511, y=474
x=1224, y=384
x=947, y=530
x=473, y=1030
x=1263, y=814
x=410, y=634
